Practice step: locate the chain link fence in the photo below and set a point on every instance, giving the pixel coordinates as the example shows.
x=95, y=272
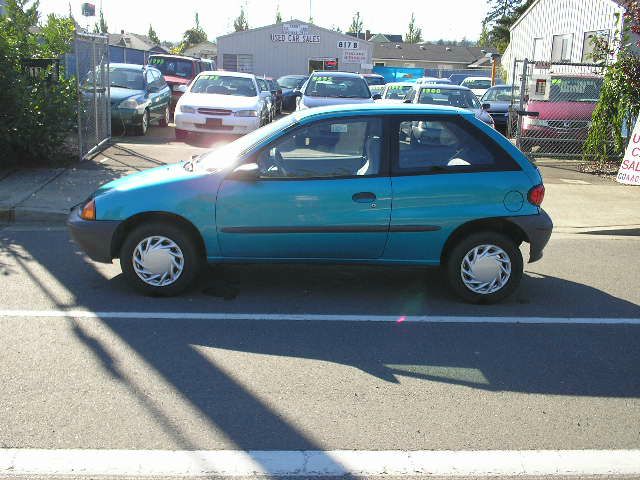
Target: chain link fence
x=90, y=63
x=552, y=107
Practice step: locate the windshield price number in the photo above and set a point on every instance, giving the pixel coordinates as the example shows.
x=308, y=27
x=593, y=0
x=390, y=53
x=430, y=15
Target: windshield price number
x=432, y=90
x=349, y=45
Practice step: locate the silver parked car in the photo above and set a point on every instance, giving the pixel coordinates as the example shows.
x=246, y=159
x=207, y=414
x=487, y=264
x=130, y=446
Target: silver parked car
x=334, y=88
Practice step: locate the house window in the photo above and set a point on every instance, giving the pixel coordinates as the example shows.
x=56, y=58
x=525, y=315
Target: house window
x=237, y=63
x=561, y=50
x=587, y=46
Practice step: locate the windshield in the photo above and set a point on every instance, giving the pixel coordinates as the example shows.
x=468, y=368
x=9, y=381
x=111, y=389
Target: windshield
x=224, y=85
x=337, y=87
x=568, y=89
x=175, y=67
x=291, y=82
x=126, y=78
x=500, y=94
x=449, y=97
x=397, y=92
x=226, y=155
x=374, y=80
x=477, y=84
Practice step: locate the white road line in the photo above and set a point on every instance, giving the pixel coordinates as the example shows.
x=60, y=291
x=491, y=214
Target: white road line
x=160, y=463
x=306, y=317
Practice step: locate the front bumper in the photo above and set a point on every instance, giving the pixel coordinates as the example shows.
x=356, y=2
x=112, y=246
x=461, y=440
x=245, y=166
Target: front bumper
x=93, y=236
x=195, y=122
x=538, y=230
x=126, y=116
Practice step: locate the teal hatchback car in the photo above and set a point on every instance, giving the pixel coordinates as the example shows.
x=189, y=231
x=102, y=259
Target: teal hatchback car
x=340, y=184
x=139, y=95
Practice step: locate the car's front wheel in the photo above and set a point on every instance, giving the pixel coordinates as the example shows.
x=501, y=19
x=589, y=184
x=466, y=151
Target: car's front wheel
x=484, y=267
x=144, y=125
x=160, y=258
x=164, y=121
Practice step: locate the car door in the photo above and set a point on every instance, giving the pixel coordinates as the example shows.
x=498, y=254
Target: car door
x=322, y=192
x=154, y=95
x=445, y=172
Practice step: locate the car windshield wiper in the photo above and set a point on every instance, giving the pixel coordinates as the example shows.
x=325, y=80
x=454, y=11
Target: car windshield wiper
x=120, y=86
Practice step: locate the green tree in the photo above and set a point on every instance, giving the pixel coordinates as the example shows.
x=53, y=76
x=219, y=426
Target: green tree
x=192, y=36
x=356, y=24
x=153, y=36
x=501, y=16
x=38, y=113
x=240, y=23
x=278, y=15
x=101, y=25
x=414, y=35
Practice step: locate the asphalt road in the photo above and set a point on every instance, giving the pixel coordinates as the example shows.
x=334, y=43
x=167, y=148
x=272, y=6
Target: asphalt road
x=278, y=385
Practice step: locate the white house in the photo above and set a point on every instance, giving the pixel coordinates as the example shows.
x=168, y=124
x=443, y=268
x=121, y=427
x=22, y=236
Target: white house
x=560, y=30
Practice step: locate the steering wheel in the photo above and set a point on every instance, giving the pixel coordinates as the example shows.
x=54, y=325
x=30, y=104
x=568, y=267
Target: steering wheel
x=276, y=157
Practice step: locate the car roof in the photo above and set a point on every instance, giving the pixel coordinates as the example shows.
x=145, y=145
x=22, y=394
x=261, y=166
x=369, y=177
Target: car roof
x=378, y=108
x=179, y=57
x=371, y=75
x=130, y=66
x=443, y=86
x=294, y=76
x=477, y=78
x=228, y=74
x=332, y=73
x=402, y=84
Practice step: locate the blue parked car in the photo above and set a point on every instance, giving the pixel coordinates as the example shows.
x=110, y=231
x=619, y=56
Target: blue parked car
x=339, y=184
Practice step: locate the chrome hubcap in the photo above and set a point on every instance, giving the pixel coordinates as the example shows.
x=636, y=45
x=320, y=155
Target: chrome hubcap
x=158, y=261
x=485, y=269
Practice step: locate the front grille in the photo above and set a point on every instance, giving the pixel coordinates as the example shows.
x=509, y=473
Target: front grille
x=214, y=111
x=217, y=127
x=568, y=124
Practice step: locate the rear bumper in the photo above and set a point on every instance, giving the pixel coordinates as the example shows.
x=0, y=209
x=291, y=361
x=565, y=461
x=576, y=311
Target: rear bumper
x=538, y=230
x=93, y=236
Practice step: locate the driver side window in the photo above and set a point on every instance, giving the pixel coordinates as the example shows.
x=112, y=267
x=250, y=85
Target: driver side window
x=326, y=149
x=431, y=145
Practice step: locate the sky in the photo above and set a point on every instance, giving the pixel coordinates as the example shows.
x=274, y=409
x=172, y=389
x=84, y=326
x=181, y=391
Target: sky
x=450, y=19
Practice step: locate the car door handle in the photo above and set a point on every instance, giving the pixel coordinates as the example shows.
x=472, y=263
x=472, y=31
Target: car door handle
x=364, y=197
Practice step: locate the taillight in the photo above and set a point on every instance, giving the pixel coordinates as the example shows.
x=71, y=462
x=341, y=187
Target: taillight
x=536, y=195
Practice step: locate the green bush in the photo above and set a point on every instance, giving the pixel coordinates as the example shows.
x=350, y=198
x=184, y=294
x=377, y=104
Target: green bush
x=36, y=116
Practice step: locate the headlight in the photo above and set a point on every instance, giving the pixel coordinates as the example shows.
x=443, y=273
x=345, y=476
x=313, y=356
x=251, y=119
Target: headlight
x=129, y=103
x=187, y=109
x=246, y=113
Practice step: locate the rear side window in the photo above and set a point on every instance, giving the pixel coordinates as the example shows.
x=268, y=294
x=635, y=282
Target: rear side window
x=446, y=145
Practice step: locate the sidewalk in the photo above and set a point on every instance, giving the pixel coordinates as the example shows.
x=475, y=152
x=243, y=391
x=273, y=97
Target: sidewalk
x=577, y=202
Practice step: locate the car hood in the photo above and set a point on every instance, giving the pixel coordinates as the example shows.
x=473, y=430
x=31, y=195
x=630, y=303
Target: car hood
x=562, y=110
x=157, y=176
x=311, y=102
x=119, y=94
x=212, y=100
x=171, y=80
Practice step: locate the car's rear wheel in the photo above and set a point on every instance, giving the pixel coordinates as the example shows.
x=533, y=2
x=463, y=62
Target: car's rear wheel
x=160, y=258
x=484, y=267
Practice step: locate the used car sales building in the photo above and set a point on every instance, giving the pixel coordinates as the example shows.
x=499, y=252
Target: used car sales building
x=293, y=48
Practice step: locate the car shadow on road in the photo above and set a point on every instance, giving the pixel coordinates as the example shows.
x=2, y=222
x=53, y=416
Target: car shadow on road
x=571, y=360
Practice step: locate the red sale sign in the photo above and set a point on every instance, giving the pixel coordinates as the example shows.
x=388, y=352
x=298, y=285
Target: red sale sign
x=629, y=172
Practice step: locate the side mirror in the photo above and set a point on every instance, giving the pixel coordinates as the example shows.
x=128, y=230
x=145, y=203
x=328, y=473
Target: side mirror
x=377, y=96
x=407, y=100
x=152, y=89
x=246, y=172
x=486, y=106
x=182, y=88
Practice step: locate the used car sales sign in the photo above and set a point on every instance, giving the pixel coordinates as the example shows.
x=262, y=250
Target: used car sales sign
x=629, y=172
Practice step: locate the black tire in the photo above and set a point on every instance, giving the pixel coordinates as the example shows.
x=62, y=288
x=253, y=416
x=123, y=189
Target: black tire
x=164, y=121
x=193, y=258
x=144, y=126
x=457, y=254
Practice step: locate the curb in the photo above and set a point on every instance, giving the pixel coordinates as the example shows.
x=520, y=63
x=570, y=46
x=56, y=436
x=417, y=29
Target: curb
x=32, y=216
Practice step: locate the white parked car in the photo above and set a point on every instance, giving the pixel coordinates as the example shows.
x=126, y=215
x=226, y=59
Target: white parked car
x=221, y=102
x=432, y=81
x=478, y=85
x=396, y=92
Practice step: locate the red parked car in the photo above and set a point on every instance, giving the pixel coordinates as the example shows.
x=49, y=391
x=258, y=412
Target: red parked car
x=178, y=70
x=561, y=124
